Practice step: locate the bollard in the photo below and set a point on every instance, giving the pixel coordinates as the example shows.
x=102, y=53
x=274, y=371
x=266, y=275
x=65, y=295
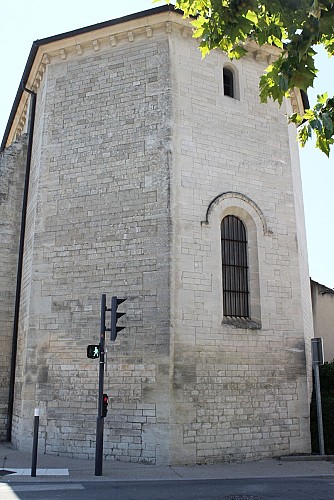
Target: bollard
x=35, y=443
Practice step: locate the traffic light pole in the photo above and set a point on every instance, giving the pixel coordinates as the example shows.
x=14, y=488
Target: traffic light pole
x=103, y=398
x=100, y=419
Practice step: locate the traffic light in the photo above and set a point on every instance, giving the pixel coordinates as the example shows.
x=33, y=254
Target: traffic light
x=93, y=351
x=115, y=301
x=105, y=401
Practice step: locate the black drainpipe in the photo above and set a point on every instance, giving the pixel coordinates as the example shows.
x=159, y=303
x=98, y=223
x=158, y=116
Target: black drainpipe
x=20, y=264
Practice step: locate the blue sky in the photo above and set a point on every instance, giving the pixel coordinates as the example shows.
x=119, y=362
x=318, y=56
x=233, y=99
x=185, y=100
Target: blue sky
x=25, y=21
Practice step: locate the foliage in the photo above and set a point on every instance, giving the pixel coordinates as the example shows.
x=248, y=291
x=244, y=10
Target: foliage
x=326, y=372
x=295, y=26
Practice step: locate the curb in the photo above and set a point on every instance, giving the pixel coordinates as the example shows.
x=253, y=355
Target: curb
x=306, y=458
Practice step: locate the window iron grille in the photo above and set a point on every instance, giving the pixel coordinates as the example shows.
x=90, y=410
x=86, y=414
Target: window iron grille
x=234, y=267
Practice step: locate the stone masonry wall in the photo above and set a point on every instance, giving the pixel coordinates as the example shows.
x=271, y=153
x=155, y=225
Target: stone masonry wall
x=137, y=157
x=12, y=171
x=98, y=222
x=240, y=389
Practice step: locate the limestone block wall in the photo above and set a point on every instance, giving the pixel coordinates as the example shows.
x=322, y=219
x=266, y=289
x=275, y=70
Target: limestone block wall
x=98, y=222
x=12, y=171
x=240, y=390
x=137, y=157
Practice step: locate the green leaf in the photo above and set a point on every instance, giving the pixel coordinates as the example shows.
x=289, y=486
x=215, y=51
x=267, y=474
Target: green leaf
x=204, y=49
x=238, y=52
x=277, y=41
x=327, y=125
x=322, y=98
x=323, y=144
x=261, y=38
x=302, y=79
x=252, y=17
x=295, y=118
x=283, y=83
x=316, y=124
x=304, y=133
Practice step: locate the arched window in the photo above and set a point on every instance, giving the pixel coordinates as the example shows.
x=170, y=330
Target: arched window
x=234, y=267
x=228, y=82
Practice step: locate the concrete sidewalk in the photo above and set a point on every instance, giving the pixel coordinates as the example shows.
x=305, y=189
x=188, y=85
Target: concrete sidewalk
x=51, y=467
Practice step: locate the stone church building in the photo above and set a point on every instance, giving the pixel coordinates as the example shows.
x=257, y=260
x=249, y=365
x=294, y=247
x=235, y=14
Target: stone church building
x=132, y=167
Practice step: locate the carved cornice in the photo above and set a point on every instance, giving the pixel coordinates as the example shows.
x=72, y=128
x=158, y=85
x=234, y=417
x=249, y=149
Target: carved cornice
x=90, y=42
x=266, y=53
x=73, y=46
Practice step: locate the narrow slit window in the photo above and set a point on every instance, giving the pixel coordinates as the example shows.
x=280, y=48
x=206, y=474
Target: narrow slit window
x=234, y=268
x=228, y=82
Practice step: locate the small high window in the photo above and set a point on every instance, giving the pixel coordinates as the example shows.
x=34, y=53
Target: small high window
x=234, y=267
x=228, y=82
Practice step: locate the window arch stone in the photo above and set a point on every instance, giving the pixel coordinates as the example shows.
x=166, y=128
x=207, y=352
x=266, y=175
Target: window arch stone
x=238, y=205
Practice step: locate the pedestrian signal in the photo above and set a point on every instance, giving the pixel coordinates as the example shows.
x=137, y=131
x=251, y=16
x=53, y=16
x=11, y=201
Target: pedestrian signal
x=105, y=402
x=93, y=351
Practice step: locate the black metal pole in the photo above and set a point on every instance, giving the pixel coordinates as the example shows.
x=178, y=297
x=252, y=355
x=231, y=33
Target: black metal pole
x=35, y=443
x=20, y=266
x=319, y=407
x=100, y=420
